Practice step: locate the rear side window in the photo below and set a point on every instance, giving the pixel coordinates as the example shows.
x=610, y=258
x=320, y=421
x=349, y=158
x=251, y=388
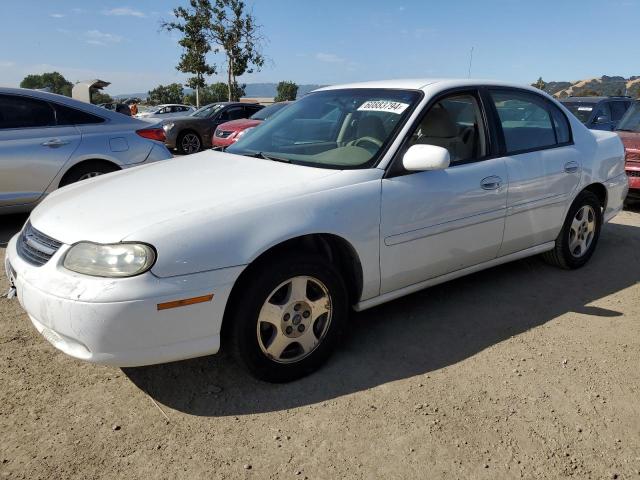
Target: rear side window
x=529, y=121
x=235, y=113
x=23, y=112
x=71, y=116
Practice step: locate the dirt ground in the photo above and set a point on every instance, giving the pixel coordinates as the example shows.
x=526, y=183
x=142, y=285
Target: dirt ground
x=521, y=371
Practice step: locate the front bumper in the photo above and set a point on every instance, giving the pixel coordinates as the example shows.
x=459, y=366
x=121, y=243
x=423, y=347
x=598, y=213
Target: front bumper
x=117, y=321
x=633, y=172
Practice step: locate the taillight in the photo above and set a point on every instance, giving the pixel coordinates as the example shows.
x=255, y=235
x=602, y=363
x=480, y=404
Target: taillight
x=156, y=134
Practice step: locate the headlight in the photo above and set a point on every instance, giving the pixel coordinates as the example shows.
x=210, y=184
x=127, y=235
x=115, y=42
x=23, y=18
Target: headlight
x=168, y=126
x=243, y=132
x=116, y=260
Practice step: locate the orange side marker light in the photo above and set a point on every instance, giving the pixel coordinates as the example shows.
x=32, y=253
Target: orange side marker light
x=185, y=301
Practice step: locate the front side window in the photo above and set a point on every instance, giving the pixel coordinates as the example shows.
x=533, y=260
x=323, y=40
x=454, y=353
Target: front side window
x=529, y=121
x=24, y=112
x=342, y=129
x=618, y=110
x=454, y=123
x=233, y=114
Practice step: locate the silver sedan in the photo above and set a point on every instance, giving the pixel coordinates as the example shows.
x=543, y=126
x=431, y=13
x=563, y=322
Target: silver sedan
x=48, y=141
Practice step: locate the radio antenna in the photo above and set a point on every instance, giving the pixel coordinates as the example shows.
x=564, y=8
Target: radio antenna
x=470, y=62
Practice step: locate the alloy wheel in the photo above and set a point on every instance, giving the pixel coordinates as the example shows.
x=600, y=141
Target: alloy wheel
x=582, y=231
x=294, y=319
x=190, y=143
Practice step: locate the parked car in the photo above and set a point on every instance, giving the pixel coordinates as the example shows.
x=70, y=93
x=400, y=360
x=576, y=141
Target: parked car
x=598, y=113
x=351, y=197
x=192, y=133
x=49, y=141
x=629, y=132
x=230, y=132
x=160, y=112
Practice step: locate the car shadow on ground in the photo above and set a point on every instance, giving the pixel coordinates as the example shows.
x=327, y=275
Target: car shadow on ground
x=10, y=225
x=411, y=336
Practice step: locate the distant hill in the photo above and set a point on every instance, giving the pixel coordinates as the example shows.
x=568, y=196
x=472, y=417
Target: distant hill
x=259, y=90
x=605, y=86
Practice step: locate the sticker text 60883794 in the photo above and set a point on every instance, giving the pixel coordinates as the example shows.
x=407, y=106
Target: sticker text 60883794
x=383, y=106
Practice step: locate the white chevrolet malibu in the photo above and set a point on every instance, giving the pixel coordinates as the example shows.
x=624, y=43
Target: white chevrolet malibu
x=353, y=196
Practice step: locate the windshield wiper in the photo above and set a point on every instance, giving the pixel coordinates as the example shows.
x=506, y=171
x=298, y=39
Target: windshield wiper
x=270, y=157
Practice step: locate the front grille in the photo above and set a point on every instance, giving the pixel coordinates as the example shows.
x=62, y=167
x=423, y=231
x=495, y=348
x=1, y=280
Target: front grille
x=633, y=173
x=223, y=133
x=35, y=247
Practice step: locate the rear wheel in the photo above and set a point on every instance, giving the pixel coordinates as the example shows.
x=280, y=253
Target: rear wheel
x=288, y=317
x=189, y=142
x=87, y=170
x=579, y=235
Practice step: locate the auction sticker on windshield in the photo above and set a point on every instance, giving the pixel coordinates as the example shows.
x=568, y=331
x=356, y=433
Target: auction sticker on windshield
x=383, y=106
x=585, y=109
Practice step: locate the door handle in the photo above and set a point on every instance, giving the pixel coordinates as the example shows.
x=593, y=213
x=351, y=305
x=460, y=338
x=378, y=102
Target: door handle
x=54, y=142
x=491, y=183
x=571, y=167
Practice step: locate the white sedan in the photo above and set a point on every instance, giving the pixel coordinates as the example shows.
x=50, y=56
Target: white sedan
x=355, y=195
x=168, y=110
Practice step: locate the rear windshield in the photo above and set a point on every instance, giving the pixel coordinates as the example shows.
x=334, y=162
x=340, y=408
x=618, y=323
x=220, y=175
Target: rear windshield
x=580, y=109
x=631, y=120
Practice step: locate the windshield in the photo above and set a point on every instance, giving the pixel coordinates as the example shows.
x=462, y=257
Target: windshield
x=268, y=111
x=208, y=110
x=580, y=110
x=631, y=120
x=339, y=129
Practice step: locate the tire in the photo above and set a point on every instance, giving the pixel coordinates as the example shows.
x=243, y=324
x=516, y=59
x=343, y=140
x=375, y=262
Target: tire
x=189, y=142
x=579, y=235
x=280, y=332
x=87, y=170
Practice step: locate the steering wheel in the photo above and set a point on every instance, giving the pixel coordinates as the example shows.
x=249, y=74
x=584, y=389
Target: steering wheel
x=375, y=141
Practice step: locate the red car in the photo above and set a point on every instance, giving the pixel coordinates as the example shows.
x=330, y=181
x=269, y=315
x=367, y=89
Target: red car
x=629, y=131
x=230, y=132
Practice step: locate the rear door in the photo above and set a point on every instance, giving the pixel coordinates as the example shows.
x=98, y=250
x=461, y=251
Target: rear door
x=543, y=166
x=33, y=148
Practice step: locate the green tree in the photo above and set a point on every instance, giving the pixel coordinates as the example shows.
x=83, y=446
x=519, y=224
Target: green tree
x=238, y=36
x=215, y=92
x=540, y=84
x=98, y=97
x=587, y=92
x=287, y=91
x=194, y=23
x=54, y=81
x=171, y=93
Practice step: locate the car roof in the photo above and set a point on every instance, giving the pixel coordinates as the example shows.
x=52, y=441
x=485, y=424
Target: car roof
x=424, y=83
x=70, y=102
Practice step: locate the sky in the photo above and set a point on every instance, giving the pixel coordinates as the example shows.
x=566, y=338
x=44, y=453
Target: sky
x=330, y=41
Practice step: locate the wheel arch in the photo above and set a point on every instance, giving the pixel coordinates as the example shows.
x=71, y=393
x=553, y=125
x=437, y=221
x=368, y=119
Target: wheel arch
x=600, y=191
x=82, y=163
x=334, y=248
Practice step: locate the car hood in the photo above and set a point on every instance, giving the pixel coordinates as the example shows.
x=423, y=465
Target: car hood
x=238, y=125
x=109, y=208
x=631, y=142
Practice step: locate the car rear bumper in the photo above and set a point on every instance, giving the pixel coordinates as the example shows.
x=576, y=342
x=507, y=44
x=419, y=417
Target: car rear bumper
x=617, y=189
x=118, y=321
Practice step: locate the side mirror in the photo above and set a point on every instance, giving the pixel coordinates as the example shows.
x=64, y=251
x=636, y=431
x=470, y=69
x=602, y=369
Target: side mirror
x=421, y=158
x=602, y=119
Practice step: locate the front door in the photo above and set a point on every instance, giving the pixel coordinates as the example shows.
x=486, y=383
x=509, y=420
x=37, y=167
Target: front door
x=436, y=222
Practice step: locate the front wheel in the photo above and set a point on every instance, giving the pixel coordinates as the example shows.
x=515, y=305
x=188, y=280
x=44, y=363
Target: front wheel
x=288, y=317
x=579, y=235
